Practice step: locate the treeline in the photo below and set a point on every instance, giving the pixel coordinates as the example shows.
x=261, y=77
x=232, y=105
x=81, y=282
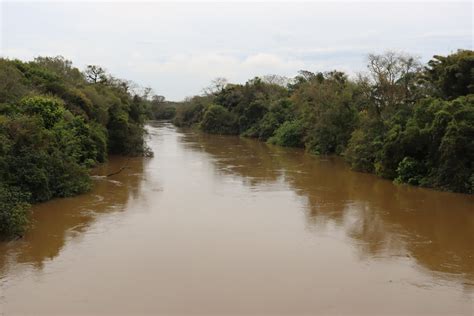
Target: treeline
x=161, y=109
x=400, y=120
x=57, y=122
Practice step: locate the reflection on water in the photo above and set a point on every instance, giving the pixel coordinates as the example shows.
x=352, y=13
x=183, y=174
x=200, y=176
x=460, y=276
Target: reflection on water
x=218, y=225
x=435, y=228
x=58, y=221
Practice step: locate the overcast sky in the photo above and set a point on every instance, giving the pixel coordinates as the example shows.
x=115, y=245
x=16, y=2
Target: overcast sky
x=178, y=48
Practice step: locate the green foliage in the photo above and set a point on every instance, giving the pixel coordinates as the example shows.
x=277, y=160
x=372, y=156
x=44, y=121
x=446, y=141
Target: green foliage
x=163, y=112
x=49, y=109
x=278, y=113
x=46, y=163
x=12, y=85
x=219, y=120
x=408, y=171
x=190, y=113
x=455, y=167
x=54, y=126
x=365, y=144
x=329, y=111
x=430, y=143
x=250, y=102
x=289, y=134
x=251, y=115
x=399, y=121
x=452, y=76
x=14, y=211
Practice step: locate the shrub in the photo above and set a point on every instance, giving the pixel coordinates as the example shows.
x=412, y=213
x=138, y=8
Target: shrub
x=409, y=171
x=289, y=134
x=49, y=109
x=188, y=115
x=14, y=211
x=219, y=120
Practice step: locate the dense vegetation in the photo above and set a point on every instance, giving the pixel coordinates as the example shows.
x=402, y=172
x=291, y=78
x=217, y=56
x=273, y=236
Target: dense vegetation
x=56, y=122
x=400, y=120
x=160, y=109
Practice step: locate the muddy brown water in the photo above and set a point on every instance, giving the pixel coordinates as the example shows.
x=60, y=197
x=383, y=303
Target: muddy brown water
x=217, y=225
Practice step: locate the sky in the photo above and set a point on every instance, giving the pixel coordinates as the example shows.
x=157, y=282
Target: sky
x=177, y=48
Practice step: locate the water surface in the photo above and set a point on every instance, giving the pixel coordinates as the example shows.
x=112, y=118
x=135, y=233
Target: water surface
x=217, y=225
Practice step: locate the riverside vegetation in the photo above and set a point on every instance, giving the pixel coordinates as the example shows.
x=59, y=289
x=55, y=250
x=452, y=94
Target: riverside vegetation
x=57, y=122
x=401, y=120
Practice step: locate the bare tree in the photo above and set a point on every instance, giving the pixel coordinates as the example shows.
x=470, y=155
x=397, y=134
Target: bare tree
x=217, y=85
x=276, y=79
x=147, y=93
x=95, y=74
x=158, y=99
x=392, y=76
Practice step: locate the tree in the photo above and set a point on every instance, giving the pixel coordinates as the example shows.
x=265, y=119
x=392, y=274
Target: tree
x=62, y=67
x=289, y=134
x=54, y=126
x=219, y=120
x=14, y=211
x=95, y=74
x=158, y=99
x=393, y=78
x=276, y=79
x=49, y=109
x=11, y=86
x=328, y=110
x=451, y=76
x=217, y=85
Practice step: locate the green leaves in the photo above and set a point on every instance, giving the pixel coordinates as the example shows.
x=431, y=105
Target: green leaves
x=452, y=76
x=218, y=120
x=14, y=211
x=409, y=171
x=400, y=121
x=48, y=108
x=54, y=126
x=289, y=134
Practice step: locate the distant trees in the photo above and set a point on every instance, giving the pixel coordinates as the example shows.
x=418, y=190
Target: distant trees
x=276, y=79
x=400, y=120
x=162, y=109
x=191, y=112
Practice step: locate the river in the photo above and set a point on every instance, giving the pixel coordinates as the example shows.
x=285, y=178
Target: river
x=220, y=225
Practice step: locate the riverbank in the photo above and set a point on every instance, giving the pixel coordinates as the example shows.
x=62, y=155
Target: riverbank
x=400, y=121
x=56, y=123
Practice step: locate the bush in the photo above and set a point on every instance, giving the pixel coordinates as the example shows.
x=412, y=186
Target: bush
x=53, y=127
x=278, y=113
x=218, y=120
x=251, y=115
x=163, y=112
x=365, y=144
x=188, y=115
x=409, y=171
x=14, y=211
x=289, y=134
x=49, y=109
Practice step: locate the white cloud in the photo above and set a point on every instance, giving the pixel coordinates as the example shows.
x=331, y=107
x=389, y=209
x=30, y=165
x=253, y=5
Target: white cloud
x=199, y=69
x=177, y=48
